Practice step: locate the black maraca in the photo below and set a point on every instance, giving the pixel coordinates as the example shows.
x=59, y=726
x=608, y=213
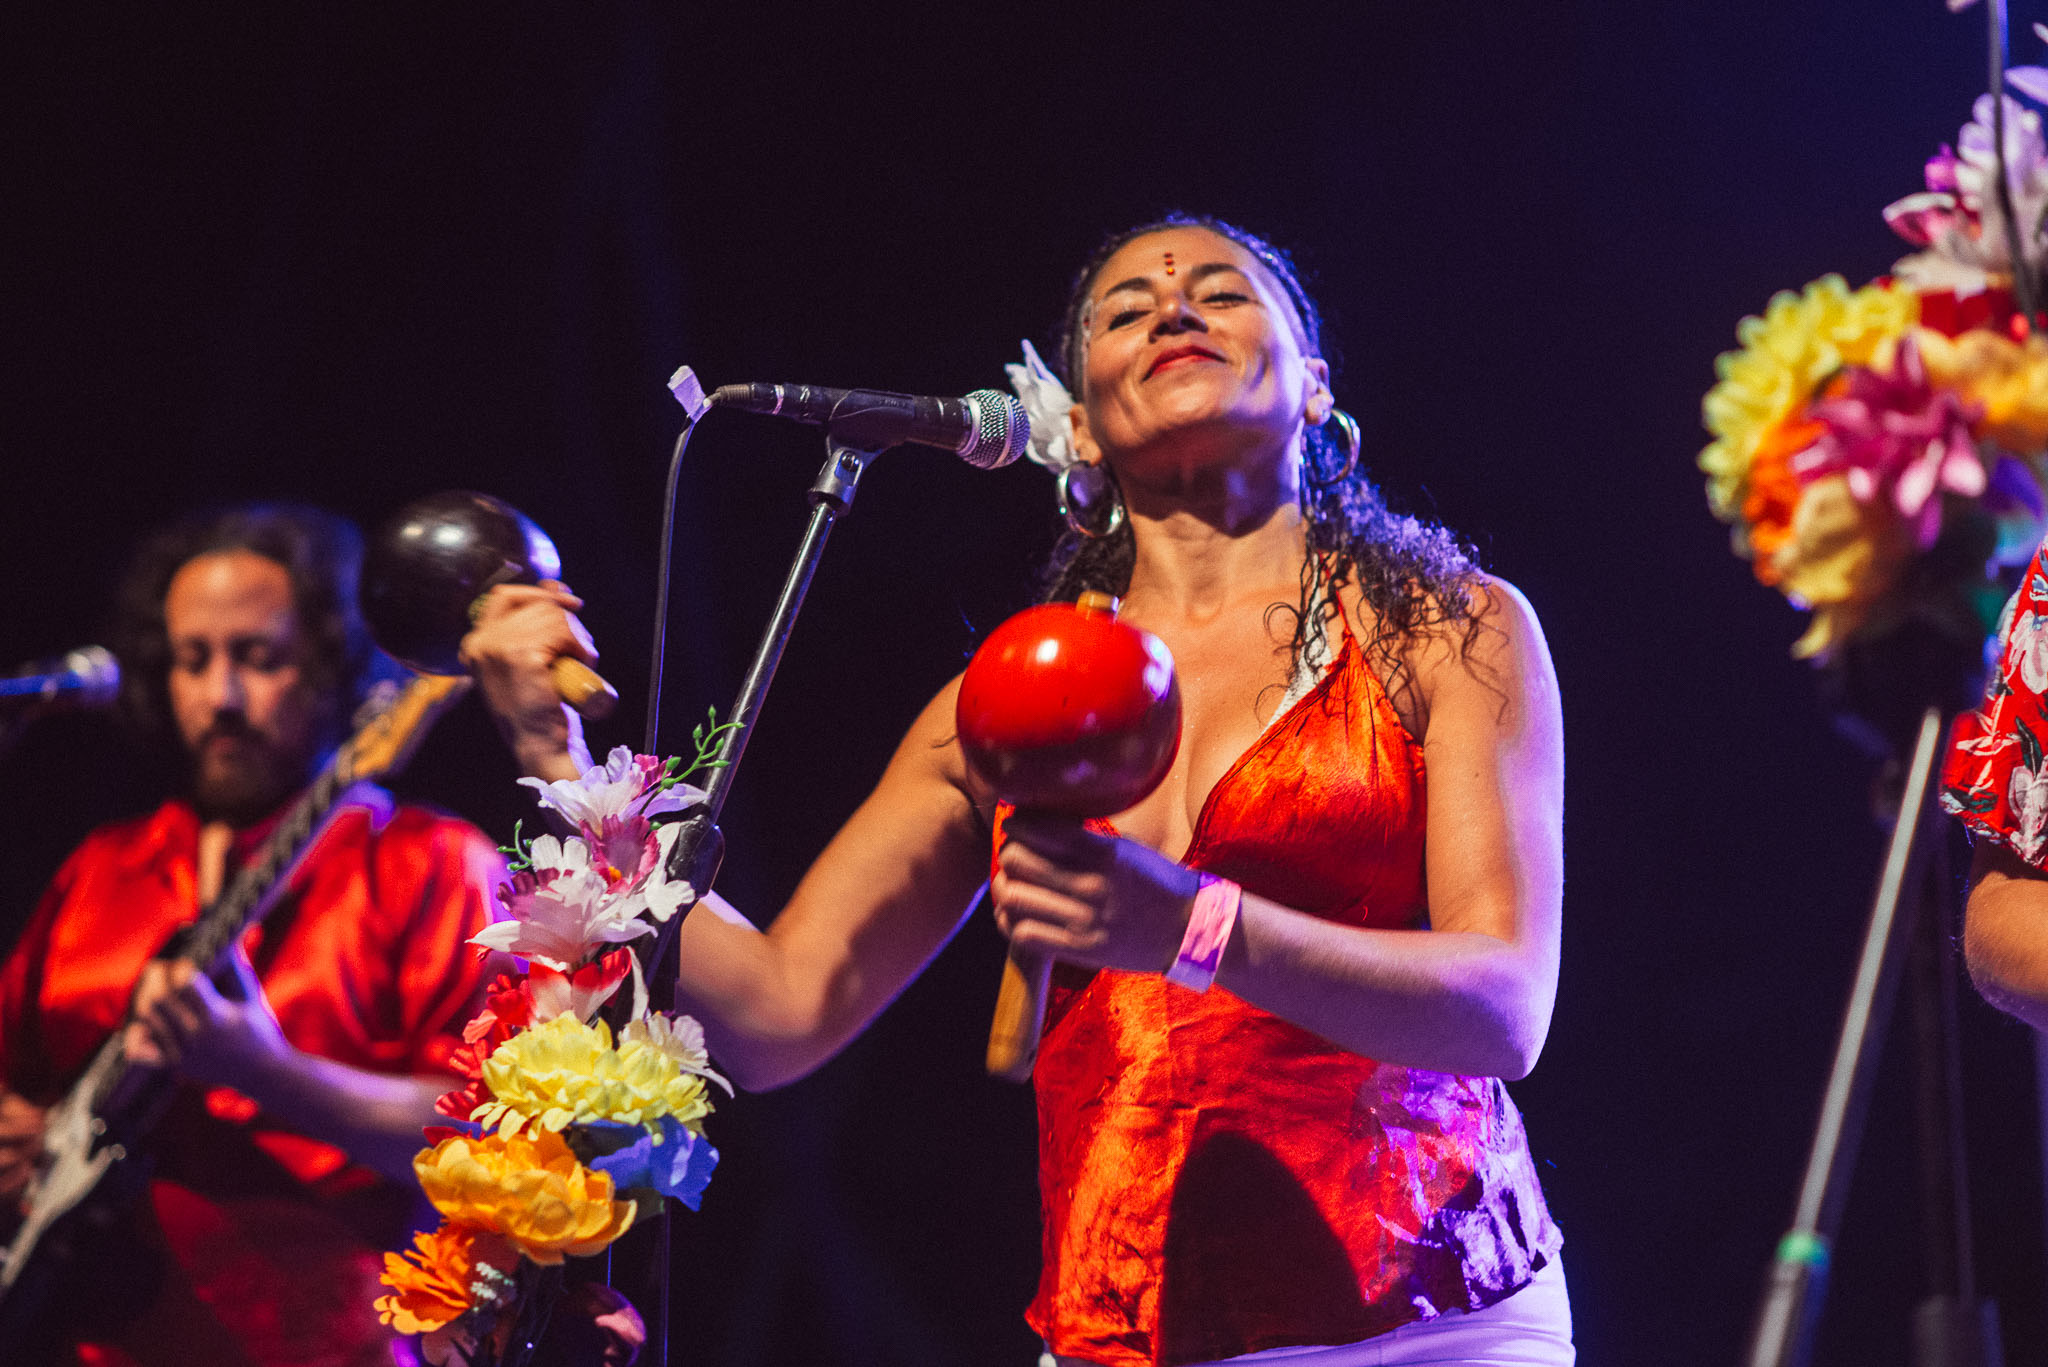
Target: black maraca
x=430, y=565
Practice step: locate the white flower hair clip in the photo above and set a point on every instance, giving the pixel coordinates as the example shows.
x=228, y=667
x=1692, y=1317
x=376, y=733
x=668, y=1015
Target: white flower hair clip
x=1046, y=402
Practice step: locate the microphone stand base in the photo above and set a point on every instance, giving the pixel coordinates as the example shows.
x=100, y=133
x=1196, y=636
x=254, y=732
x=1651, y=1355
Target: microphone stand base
x=1949, y=1331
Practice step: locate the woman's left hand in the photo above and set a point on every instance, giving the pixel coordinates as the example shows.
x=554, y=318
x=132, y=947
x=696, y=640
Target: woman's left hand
x=1065, y=892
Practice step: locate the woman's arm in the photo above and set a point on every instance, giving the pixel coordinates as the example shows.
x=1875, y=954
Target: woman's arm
x=887, y=893
x=2005, y=932
x=1471, y=995
x=879, y=902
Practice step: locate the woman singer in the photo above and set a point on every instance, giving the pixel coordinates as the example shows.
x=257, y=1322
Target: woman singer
x=1311, y=1156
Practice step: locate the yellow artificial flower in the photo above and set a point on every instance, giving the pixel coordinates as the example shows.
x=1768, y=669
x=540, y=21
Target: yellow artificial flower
x=448, y=1272
x=564, y=1072
x=1800, y=340
x=2010, y=380
x=527, y=1187
x=1842, y=557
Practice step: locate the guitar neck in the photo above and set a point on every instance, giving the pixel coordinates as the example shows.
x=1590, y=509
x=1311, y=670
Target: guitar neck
x=114, y=1104
x=248, y=900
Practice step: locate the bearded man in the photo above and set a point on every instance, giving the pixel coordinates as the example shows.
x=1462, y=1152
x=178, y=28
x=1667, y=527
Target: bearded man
x=283, y=1167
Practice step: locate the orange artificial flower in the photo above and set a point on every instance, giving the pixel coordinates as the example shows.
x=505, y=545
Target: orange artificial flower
x=529, y=1188
x=436, y=1282
x=1770, y=495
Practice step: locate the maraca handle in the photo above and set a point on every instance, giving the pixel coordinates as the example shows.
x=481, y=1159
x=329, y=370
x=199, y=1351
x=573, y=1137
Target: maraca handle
x=583, y=688
x=1020, y=1016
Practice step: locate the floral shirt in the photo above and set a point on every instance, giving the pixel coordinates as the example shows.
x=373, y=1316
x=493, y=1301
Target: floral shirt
x=1996, y=778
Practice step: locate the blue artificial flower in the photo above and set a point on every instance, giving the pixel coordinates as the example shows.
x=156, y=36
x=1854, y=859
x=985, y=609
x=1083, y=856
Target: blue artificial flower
x=676, y=1163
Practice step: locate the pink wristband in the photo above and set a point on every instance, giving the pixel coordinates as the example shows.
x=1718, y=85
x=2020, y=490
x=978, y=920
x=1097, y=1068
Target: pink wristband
x=1210, y=922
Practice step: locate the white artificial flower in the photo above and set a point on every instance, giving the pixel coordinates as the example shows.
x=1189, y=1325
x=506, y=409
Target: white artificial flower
x=1959, y=218
x=1931, y=272
x=681, y=1038
x=562, y=910
x=661, y=893
x=549, y=857
x=624, y=785
x=1047, y=404
x=554, y=993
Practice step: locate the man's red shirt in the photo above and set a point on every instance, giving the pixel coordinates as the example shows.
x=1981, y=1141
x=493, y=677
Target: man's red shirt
x=274, y=1238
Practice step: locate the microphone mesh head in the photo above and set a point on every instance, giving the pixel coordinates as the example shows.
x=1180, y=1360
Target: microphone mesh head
x=1001, y=429
x=99, y=675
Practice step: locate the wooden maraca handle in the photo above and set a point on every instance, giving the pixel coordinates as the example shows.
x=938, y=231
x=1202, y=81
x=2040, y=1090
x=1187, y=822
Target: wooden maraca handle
x=1020, y=1016
x=583, y=688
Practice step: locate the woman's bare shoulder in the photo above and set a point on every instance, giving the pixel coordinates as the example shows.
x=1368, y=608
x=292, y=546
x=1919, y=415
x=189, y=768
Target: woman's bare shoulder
x=1489, y=640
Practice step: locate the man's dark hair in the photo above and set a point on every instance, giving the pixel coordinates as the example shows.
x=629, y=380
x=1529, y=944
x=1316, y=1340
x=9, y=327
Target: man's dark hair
x=321, y=552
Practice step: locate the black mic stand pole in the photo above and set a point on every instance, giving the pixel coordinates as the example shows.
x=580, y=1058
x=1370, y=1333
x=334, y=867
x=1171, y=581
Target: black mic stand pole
x=1798, y=1278
x=700, y=847
x=1951, y=1327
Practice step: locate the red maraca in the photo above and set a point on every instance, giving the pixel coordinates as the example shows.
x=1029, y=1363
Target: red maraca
x=1063, y=709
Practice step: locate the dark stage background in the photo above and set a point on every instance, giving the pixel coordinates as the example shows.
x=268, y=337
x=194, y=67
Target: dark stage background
x=353, y=254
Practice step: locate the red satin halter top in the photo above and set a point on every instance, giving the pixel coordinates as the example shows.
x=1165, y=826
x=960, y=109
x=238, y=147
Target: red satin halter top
x=1215, y=1181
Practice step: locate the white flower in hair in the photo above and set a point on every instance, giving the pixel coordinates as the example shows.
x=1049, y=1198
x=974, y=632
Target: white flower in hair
x=1046, y=402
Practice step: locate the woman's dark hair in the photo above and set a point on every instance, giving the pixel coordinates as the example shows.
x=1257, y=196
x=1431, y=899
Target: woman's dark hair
x=322, y=553
x=1411, y=573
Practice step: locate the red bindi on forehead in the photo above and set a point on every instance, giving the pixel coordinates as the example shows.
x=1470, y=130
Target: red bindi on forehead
x=1169, y=263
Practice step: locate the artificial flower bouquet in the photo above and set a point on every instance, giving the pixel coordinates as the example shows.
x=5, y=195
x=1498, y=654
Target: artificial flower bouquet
x=565, y=1131
x=1881, y=452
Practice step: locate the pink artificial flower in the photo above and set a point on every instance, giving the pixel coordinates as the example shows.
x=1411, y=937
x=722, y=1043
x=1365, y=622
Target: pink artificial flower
x=625, y=849
x=1930, y=216
x=1896, y=435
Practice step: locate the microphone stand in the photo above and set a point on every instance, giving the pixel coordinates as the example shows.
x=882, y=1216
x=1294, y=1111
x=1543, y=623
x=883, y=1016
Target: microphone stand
x=699, y=848
x=1909, y=922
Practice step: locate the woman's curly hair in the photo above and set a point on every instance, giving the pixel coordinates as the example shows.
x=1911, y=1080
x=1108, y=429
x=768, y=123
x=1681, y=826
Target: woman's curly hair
x=1412, y=574
x=321, y=552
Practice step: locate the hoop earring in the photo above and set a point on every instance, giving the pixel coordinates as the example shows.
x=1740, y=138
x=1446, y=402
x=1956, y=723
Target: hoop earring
x=1096, y=489
x=1349, y=439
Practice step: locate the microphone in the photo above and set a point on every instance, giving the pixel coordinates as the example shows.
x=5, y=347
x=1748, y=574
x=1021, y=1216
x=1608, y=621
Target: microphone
x=87, y=677
x=986, y=429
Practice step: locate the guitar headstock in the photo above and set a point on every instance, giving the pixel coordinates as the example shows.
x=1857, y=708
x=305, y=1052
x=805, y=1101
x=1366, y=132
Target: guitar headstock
x=385, y=741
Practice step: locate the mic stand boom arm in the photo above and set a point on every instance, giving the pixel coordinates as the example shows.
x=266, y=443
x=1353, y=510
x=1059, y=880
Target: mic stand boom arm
x=699, y=848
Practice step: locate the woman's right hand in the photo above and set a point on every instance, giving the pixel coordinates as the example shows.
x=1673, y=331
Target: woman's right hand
x=21, y=1143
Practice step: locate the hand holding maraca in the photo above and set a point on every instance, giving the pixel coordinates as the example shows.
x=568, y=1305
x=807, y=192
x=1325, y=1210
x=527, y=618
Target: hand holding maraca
x=1067, y=713
x=1062, y=891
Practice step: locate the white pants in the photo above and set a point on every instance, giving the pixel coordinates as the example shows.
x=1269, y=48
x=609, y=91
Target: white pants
x=1531, y=1328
